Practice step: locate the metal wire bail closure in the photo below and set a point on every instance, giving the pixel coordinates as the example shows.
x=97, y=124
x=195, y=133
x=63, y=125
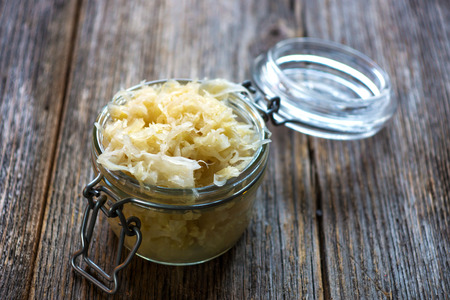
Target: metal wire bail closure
x=273, y=105
x=97, y=199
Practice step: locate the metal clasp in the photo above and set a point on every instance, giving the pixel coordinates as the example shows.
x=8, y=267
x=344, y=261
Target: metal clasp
x=97, y=199
x=273, y=106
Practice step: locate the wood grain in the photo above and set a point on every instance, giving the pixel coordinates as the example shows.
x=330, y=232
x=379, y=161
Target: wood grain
x=385, y=200
x=33, y=37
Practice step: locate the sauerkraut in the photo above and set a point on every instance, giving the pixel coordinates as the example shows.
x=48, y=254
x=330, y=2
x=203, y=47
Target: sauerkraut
x=177, y=135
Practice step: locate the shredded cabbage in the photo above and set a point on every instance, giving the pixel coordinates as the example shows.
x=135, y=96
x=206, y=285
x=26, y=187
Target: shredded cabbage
x=177, y=135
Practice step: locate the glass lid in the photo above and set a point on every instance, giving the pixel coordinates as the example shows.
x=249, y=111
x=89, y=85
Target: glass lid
x=325, y=89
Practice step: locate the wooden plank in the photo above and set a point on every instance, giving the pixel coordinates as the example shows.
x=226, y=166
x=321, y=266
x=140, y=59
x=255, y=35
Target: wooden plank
x=119, y=44
x=385, y=200
x=32, y=37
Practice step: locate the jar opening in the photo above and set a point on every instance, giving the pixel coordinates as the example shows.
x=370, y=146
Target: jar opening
x=328, y=71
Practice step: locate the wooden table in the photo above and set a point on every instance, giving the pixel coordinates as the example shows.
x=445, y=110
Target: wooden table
x=363, y=219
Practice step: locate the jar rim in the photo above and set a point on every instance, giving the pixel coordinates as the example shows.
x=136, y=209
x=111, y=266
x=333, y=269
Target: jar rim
x=381, y=92
x=141, y=190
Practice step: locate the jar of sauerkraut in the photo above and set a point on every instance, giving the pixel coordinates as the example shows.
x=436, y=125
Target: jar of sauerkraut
x=181, y=209
x=183, y=226
x=167, y=223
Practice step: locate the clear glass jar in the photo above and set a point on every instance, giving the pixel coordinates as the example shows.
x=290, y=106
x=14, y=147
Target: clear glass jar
x=188, y=226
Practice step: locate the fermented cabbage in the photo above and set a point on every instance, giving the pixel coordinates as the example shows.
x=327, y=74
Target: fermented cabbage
x=177, y=135
x=190, y=236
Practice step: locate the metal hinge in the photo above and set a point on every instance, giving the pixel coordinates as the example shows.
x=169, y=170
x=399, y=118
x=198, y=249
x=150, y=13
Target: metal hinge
x=273, y=106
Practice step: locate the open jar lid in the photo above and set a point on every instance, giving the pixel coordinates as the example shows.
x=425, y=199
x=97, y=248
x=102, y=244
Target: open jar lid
x=325, y=89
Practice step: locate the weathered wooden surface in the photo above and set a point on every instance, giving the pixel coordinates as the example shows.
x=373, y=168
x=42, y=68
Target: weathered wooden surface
x=385, y=200
x=35, y=49
x=341, y=220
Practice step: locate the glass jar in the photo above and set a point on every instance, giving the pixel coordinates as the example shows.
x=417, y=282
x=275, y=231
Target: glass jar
x=188, y=226
x=172, y=226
